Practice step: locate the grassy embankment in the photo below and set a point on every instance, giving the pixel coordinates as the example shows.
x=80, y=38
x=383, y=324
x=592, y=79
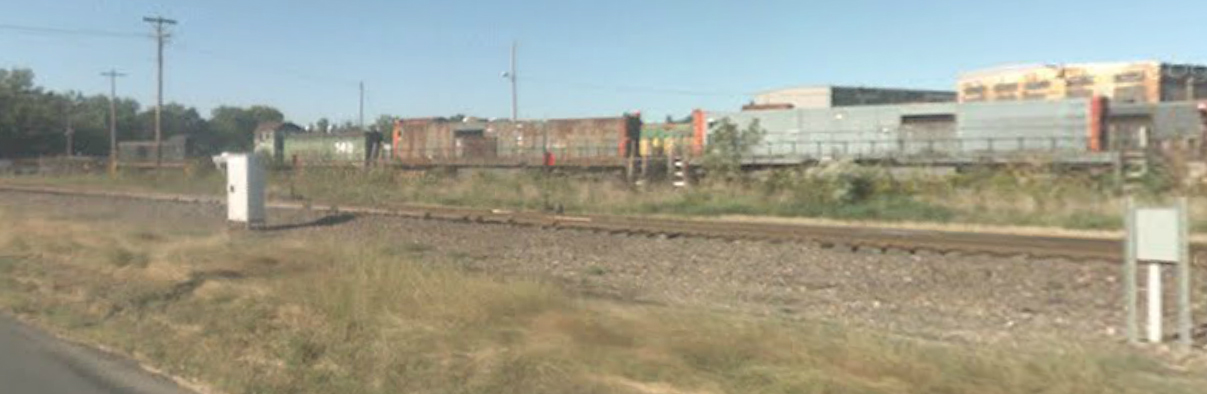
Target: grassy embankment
x=995, y=198
x=294, y=314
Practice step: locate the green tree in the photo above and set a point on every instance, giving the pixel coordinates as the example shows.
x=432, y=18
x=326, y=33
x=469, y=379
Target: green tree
x=232, y=127
x=323, y=125
x=728, y=145
x=31, y=119
x=176, y=119
x=385, y=123
x=90, y=120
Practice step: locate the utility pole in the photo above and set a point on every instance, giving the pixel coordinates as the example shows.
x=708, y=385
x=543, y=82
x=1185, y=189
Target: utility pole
x=1190, y=87
x=70, y=132
x=161, y=36
x=112, y=74
x=512, y=76
x=362, y=106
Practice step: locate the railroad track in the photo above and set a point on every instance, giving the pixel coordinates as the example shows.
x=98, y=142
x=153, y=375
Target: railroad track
x=873, y=239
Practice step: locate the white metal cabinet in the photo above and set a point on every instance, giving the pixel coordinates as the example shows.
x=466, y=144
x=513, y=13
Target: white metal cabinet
x=244, y=189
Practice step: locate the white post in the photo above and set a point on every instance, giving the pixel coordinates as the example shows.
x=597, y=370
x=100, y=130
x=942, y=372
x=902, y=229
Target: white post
x=1154, y=302
x=1185, y=322
x=1129, y=274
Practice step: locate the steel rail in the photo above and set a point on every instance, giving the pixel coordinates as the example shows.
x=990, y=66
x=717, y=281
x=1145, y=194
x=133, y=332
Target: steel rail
x=875, y=239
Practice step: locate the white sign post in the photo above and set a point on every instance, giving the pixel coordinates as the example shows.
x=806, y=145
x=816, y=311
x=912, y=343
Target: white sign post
x=1157, y=237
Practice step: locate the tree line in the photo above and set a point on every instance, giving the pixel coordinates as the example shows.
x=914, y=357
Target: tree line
x=34, y=121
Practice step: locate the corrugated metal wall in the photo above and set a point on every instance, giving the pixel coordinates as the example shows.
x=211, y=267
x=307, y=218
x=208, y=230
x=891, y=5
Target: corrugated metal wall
x=939, y=128
x=1063, y=124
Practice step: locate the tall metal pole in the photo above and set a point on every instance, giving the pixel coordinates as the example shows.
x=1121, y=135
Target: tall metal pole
x=161, y=36
x=362, y=106
x=515, y=106
x=112, y=75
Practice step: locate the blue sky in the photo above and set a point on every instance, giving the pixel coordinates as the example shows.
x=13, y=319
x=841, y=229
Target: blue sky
x=577, y=58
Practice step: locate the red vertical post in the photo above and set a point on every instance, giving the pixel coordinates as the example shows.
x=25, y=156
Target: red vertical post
x=699, y=128
x=396, y=137
x=1096, y=123
x=624, y=137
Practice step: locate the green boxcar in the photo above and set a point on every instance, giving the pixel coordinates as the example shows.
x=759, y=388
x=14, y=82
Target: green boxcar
x=346, y=148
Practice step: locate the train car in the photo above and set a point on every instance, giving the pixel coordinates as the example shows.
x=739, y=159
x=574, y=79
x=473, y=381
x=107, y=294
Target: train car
x=586, y=142
x=344, y=148
x=176, y=149
x=287, y=146
x=590, y=141
x=663, y=139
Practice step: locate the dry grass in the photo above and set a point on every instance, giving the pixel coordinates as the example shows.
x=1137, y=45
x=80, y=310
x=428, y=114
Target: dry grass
x=277, y=314
x=1028, y=201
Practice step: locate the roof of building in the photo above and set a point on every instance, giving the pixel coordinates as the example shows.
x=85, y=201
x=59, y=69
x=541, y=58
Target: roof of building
x=853, y=87
x=1030, y=67
x=288, y=127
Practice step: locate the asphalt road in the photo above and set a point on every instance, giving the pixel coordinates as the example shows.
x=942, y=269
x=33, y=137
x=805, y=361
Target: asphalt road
x=32, y=362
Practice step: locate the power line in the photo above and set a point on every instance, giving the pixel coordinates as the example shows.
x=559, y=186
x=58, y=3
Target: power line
x=71, y=32
x=264, y=66
x=640, y=89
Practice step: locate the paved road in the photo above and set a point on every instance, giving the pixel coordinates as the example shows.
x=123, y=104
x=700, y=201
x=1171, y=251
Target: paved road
x=32, y=362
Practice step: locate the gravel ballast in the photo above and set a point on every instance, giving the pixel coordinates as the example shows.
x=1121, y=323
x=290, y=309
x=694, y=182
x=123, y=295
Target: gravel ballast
x=973, y=299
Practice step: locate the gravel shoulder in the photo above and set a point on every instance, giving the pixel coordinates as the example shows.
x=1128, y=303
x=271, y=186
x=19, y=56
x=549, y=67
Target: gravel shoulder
x=962, y=299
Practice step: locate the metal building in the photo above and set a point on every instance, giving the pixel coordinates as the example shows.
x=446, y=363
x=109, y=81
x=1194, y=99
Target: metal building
x=844, y=96
x=1122, y=82
x=925, y=132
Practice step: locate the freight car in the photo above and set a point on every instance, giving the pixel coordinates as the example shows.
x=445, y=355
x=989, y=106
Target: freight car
x=1075, y=131
x=569, y=142
x=296, y=148
x=663, y=139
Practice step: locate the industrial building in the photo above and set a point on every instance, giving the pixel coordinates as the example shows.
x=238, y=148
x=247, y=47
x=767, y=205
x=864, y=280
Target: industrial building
x=1122, y=82
x=1083, y=131
x=844, y=96
x=930, y=130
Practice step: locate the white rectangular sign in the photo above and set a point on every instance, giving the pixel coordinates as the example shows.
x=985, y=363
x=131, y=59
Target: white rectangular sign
x=1157, y=234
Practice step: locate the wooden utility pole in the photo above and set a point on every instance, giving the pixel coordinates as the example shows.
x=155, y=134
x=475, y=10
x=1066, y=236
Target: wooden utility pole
x=362, y=106
x=70, y=133
x=69, y=129
x=161, y=36
x=112, y=75
x=1190, y=87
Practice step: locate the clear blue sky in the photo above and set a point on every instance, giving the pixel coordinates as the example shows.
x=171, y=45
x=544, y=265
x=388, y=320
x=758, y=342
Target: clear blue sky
x=577, y=58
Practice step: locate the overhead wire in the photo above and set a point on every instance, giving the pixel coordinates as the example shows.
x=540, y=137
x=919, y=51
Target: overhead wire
x=262, y=66
x=265, y=67
x=71, y=32
x=637, y=89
